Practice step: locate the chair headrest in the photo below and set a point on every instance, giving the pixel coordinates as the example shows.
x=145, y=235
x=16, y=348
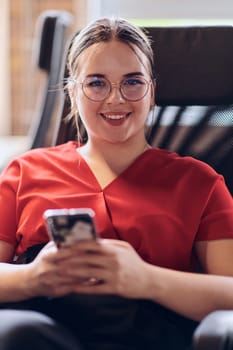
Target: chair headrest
x=193, y=65
x=47, y=24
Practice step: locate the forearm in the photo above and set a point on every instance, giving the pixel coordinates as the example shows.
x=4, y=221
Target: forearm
x=14, y=282
x=190, y=294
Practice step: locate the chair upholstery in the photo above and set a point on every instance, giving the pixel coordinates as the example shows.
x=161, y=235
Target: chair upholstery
x=194, y=73
x=215, y=332
x=193, y=65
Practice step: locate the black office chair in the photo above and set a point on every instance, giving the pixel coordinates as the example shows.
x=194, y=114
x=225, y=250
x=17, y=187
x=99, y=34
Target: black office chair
x=194, y=116
x=194, y=72
x=53, y=29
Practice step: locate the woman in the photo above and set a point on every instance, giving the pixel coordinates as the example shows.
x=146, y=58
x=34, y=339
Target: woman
x=159, y=216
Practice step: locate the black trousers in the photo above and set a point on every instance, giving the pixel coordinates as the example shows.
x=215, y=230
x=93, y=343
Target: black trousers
x=79, y=322
x=92, y=323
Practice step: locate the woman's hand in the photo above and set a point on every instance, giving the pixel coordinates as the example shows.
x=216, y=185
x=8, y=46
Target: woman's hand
x=104, y=266
x=110, y=267
x=48, y=274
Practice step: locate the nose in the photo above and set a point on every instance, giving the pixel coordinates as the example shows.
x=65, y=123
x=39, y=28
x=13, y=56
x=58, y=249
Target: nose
x=115, y=95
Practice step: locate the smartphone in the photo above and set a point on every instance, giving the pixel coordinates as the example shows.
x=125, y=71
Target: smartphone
x=67, y=226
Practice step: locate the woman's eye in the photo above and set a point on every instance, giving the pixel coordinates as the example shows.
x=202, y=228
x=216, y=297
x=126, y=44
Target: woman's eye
x=96, y=83
x=133, y=81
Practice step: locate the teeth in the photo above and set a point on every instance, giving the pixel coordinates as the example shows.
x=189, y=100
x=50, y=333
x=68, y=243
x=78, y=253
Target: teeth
x=115, y=116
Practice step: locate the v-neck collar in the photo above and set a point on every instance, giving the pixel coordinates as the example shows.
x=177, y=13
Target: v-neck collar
x=83, y=163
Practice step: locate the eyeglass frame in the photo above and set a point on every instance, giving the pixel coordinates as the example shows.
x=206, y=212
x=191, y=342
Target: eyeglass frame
x=117, y=84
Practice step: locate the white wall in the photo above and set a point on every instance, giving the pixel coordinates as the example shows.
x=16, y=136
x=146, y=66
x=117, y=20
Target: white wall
x=175, y=9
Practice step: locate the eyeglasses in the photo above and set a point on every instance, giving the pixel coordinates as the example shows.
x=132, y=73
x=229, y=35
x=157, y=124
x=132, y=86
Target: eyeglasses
x=131, y=89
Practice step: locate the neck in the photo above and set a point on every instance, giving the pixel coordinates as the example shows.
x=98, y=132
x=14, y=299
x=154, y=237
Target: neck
x=117, y=156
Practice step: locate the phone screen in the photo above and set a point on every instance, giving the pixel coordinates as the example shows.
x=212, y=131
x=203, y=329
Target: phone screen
x=67, y=226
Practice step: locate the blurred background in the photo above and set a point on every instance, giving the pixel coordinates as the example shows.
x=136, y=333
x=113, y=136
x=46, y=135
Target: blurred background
x=17, y=26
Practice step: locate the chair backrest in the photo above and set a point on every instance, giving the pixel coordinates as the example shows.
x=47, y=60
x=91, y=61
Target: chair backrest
x=194, y=95
x=52, y=31
x=194, y=71
x=193, y=65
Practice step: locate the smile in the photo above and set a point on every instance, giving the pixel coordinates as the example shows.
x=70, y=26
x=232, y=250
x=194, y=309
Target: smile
x=115, y=116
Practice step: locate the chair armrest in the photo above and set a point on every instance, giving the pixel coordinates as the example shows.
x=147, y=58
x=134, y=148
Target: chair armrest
x=215, y=332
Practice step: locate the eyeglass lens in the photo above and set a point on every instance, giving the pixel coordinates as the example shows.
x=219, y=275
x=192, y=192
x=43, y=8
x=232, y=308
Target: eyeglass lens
x=98, y=89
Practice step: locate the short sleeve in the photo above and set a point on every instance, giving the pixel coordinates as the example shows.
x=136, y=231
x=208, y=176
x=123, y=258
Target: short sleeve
x=9, y=181
x=217, y=219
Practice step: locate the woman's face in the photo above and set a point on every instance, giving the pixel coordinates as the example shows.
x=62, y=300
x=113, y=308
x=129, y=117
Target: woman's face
x=114, y=119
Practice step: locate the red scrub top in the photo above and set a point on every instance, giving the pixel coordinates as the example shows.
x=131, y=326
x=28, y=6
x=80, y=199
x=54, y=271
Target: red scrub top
x=161, y=204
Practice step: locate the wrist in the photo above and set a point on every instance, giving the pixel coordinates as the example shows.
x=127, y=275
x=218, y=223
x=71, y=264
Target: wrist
x=151, y=286
x=27, y=286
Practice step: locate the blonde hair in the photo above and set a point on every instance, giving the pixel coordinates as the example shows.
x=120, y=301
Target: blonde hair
x=104, y=30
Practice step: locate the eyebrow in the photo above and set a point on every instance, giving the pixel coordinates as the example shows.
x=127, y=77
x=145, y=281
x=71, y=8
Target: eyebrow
x=127, y=75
